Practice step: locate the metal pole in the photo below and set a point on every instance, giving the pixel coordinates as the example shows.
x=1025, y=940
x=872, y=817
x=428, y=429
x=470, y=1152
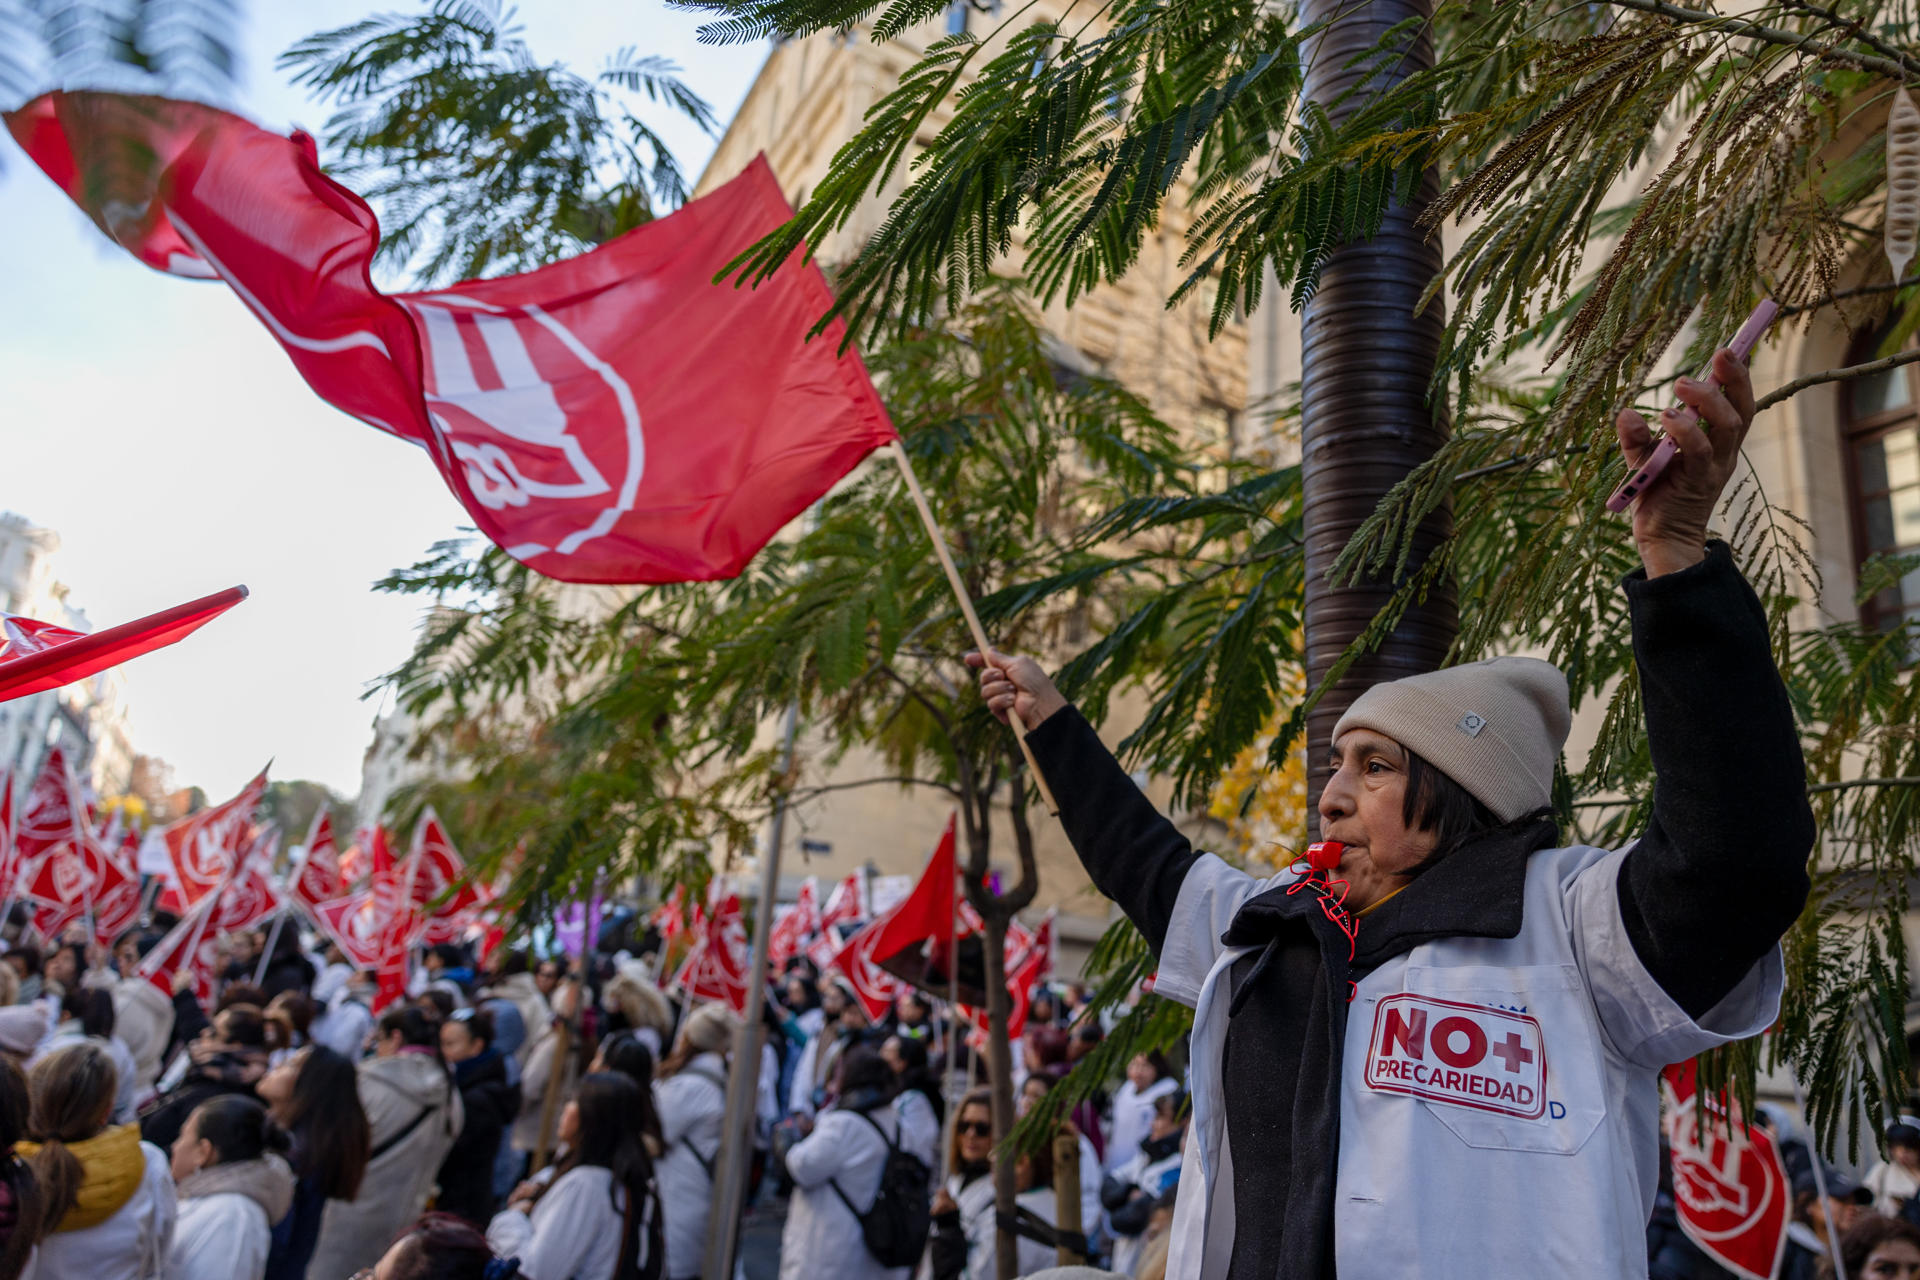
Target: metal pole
x=743, y=1079
x=1820, y=1186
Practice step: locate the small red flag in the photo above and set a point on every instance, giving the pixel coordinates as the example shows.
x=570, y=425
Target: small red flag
x=871, y=985
x=319, y=879
x=716, y=968
x=616, y=417
x=441, y=891
x=37, y=656
x=925, y=913
x=793, y=927
x=843, y=904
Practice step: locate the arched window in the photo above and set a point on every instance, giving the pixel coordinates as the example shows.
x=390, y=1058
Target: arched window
x=1883, y=479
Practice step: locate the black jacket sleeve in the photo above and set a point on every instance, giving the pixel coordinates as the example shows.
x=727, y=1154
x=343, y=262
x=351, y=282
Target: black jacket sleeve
x=1133, y=854
x=1722, y=870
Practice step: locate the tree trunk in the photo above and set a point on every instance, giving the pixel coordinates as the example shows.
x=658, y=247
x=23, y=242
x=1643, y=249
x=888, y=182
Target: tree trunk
x=1366, y=419
x=1000, y=1076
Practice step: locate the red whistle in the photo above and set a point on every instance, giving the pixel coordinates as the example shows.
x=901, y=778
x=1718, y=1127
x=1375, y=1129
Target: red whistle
x=1324, y=855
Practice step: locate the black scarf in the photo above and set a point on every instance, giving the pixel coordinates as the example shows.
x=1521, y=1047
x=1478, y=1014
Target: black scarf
x=1281, y=1067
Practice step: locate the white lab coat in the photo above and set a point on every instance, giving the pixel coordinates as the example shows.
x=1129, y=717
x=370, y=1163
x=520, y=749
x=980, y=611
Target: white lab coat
x=1132, y=1117
x=692, y=1103
x=131, y=1245
x=573, y=1232
x=975, y=1202
x=1469, y=1159
x=220, y=1237
x=822, y=1236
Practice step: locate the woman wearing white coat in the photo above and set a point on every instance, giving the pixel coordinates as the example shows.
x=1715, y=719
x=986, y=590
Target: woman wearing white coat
x=1332, y=1131
x=108, y=1194
x=840, y=1162
x=964, y=1241
x=234, y=1184
x=595, y=1215
x=692, y=1096
x=1149, y=1078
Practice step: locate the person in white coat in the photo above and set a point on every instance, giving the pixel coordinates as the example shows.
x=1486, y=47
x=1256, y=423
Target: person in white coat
x=836, y=1175
x=1149, y=1078
x=142, y=1012
x=964, y=1242
x=413, y=1111
x=234, y=1184
x=1373, y=1027
x=691, y=1092
x=596, y=1214
x=109, y=1195
x=1037, y=1087
x=86, y=1013
x=1135, y=1188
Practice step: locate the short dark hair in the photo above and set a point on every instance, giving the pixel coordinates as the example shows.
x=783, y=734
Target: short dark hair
x=478, y=1022
x=862, y=1067
x=245, y=1026
x=1434, y=802
x=238, y=1128
x=29, y=957
x=92, y=1008
x=442, y=1246
x=415, y=1025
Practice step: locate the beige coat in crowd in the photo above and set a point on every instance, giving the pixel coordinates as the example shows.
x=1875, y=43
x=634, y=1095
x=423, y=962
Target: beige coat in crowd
x=414, y=1111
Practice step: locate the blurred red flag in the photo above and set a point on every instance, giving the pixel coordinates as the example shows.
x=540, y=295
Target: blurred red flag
x=793, y=927
x=437, y=872
x=37, y=656
x=205, y=847
x=319, y=879
x=616, y=417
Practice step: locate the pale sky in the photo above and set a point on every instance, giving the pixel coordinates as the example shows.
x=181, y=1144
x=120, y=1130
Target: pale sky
x=159, y=429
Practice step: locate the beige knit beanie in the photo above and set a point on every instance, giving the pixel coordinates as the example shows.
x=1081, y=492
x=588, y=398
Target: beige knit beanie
x=1495, y=727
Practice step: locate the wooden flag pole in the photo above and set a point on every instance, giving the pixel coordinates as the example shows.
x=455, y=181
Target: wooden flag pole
x=966, y=608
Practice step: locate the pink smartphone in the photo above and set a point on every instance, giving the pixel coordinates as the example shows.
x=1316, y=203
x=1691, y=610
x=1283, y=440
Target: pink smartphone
x=1655, y=466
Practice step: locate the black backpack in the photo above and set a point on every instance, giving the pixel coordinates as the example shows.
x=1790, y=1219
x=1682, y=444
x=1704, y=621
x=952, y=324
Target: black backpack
x=896, y=1225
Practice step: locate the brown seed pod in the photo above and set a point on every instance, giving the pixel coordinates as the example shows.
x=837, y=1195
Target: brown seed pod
x=1903, y=181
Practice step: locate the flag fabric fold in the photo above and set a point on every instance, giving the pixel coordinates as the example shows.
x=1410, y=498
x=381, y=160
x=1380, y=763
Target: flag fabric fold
x=614, y=417
x=205, y=847
x=37, y=656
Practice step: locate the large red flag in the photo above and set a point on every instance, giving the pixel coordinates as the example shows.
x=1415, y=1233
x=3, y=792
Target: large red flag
x=616, y=417
x=37, y=656
x=49, y=814
x=1730, y=1189
x=8, y=856
x=206, y=846
x=354, y=924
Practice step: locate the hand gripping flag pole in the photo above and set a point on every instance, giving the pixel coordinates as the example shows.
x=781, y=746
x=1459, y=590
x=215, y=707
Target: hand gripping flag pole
x=966, y=608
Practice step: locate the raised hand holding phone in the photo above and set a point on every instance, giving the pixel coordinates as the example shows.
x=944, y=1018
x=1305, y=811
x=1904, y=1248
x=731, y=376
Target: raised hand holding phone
x=1704, y=431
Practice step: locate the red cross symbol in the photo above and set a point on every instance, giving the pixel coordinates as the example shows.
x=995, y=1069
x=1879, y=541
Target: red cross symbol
x=1512, y=1052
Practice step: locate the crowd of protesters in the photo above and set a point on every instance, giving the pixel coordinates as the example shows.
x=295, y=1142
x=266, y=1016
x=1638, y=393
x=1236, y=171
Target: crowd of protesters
x=563, y=1120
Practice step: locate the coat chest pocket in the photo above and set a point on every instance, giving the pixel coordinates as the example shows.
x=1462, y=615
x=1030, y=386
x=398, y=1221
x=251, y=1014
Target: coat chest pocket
x=1505, y=1058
